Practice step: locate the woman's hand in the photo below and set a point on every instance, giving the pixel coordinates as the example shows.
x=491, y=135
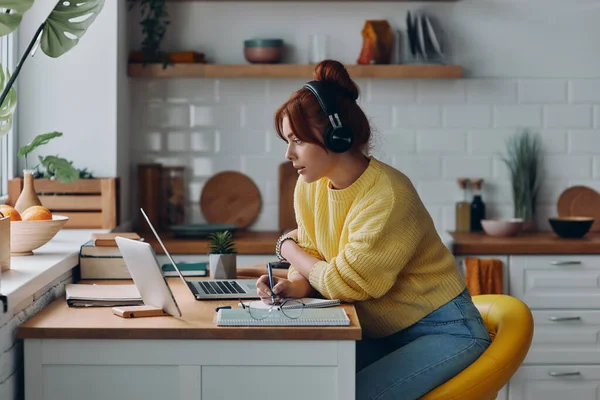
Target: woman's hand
x=282, y=289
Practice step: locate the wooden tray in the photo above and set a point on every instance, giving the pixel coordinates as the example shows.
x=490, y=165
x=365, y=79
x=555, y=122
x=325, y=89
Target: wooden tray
x=580, y=201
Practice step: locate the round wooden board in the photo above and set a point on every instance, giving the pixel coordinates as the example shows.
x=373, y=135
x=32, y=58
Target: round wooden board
x=580, y=201
x=230, y=197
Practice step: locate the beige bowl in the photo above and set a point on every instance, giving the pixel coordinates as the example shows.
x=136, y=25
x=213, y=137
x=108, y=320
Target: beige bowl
x=26, y=236
x=502, y=227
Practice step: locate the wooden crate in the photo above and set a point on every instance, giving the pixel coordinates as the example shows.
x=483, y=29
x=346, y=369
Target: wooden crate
x=89, y=203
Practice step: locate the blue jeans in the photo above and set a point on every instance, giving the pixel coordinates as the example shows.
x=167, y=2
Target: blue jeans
x=409, y=363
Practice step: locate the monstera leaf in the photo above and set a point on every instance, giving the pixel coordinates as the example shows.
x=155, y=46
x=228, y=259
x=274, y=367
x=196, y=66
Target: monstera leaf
x=67, y=23
x=8, y=105
x=10, y=22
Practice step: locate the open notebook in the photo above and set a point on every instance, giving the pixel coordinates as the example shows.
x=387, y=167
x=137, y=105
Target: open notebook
x=309, y=317
x=308, y=303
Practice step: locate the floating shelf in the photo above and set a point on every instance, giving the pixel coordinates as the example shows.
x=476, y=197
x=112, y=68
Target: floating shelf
x=397, y=71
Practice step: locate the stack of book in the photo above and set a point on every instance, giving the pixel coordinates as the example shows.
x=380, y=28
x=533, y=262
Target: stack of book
x=100, y=258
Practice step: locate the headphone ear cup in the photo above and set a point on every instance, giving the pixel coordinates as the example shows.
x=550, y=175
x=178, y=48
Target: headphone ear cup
x=338, y=140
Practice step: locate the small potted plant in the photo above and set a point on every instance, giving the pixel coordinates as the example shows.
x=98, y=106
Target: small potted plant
x=524, y=164
x=222, y=256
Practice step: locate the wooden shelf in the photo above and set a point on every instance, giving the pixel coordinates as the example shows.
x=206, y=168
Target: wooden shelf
x=430, y=71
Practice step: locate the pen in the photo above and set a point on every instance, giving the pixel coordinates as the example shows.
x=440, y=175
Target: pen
x=270, y=269
x=223, y=308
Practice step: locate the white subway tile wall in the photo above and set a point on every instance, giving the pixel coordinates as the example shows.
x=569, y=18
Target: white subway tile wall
x=432, y=130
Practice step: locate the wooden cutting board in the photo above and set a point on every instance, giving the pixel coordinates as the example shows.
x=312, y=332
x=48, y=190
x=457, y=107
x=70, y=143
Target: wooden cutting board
x=580, y=201
x=230, y=197
x=287, y=182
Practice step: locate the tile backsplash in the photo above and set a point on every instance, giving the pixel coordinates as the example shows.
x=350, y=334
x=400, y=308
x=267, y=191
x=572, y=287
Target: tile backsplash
x=432, y=130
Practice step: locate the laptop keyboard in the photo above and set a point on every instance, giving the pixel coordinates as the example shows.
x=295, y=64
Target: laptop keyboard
x=220, y=287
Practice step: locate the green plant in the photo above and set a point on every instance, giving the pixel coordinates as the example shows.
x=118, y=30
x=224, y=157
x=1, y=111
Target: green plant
x=221, y=243
x=56, y=166
x=523, y=161
x=154, y=22
x=59, y=33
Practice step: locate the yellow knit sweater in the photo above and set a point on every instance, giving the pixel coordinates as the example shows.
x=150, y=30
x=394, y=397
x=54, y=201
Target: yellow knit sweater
x=378, y=246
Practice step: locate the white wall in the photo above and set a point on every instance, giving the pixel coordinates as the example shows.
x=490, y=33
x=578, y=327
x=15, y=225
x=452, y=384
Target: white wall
x=528, y=63
x=83, y=94
x=11, y=349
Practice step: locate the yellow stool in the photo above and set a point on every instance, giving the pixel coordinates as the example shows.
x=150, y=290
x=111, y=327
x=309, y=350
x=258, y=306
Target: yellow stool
x=510, y=324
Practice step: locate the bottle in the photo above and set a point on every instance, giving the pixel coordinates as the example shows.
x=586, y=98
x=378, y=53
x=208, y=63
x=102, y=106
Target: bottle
x=463, y=208
x=477, y=207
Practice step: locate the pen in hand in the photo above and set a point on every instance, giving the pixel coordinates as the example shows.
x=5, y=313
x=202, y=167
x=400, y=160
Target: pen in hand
x=270, y=269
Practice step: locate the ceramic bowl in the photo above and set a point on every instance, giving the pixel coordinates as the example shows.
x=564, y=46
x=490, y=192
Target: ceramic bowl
x=26, y=236
x=571, y=227
x=263, y=51
x=502, y=227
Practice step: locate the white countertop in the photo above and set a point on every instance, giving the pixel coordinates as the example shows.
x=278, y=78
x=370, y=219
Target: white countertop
x=29, y=274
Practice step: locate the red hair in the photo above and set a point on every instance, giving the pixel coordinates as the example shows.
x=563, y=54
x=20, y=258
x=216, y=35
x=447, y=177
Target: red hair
x=307, y=119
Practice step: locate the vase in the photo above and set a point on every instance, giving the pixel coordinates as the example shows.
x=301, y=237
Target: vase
x=28, y=196
x=222, y=266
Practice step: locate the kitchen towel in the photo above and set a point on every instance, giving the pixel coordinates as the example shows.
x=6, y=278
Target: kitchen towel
x=484, y=276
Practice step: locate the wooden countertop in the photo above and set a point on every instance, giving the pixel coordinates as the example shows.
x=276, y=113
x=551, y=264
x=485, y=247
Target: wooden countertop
x=524, y=243
x=247, y=242
x=59, y=321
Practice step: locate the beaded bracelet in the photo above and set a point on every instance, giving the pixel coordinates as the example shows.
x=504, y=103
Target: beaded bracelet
x=280, y=241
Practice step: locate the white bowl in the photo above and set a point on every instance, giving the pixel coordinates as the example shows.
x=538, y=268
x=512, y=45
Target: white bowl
x=502, y=227
x=26, y=236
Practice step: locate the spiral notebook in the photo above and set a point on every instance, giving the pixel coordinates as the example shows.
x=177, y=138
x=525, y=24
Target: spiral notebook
x=307, y=302
x=309, y=317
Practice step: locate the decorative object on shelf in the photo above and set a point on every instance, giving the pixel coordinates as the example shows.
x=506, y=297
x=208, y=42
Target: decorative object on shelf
x=580, y=201
x=524, y=164
x=571, y=227
x=178, y=57
x=173, y=187
x=462, y=208
x=58, y=167
x=28, y=235
x=318, y=48
x=88, y=203
x=378, y=43
x=477, y=206
x=59, y=33
x=154, y=22
x=149, y=188
x=4, y=243
x=424, y=43
x=504, y=228
x=230, y=197
x=222, y=256
x=263, y=51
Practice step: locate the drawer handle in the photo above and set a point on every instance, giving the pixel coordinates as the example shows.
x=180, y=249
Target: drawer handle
x=565, y=262
x=564, y=373
x=571, y=318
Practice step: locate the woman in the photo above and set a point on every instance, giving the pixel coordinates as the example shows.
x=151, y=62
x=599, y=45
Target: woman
x=365, y=237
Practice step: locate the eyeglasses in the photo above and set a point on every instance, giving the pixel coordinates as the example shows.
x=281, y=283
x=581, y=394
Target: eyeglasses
x=291, y=308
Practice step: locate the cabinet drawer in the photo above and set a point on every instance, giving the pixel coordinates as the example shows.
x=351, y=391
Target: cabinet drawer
x=555, y=382
x=565, y=337
x=561, y=281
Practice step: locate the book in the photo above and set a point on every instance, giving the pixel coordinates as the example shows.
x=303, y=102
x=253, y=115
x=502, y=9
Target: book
x=308, y=303
x=309, y=317
x=108, y=239
x=186, y=268
x=88, y=249
x=82, y=295
x=94, y=267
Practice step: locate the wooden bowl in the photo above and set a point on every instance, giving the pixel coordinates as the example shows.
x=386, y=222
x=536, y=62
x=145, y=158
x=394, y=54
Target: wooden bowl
x=571, y=227
x=502, y=227
x=26, y=236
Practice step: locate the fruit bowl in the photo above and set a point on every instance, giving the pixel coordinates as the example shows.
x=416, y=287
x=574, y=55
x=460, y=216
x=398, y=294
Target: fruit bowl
x=26, y=236
x=502, y=227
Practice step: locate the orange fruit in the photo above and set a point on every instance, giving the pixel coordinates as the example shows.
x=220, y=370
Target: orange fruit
x=10, y=211
x=36, y=213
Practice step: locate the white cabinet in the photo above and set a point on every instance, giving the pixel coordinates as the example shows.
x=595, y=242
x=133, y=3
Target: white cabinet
x=563, y=293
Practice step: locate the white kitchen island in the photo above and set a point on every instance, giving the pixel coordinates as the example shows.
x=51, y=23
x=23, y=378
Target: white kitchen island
x=91, y=354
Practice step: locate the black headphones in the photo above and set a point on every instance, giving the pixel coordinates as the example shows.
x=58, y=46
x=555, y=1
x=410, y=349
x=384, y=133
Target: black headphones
x=337, y=137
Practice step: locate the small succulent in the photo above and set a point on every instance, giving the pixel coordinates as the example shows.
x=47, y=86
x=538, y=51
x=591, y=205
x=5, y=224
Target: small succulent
x=221, y=243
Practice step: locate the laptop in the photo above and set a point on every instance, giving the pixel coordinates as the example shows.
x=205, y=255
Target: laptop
x=213, y=289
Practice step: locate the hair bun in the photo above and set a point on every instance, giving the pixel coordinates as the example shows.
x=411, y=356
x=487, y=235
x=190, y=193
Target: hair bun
x=334, y=72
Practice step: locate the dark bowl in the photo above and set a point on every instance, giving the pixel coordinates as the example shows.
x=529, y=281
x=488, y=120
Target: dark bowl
x=571, y=227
